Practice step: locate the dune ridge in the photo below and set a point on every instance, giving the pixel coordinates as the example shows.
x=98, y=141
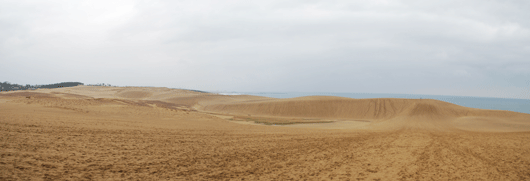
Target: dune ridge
x=389, y=113
x=339, y=107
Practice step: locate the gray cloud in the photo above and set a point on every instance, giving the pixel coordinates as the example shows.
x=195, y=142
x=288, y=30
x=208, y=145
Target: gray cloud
x=472, y=48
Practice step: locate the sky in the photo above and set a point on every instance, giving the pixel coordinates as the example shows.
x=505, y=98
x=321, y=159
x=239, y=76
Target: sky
x=437, y=47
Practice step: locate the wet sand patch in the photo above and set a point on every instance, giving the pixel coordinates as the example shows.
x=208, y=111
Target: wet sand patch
x=334, y=125
x=350, y=124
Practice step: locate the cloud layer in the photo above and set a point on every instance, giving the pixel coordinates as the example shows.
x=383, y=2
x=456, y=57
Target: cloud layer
x=473, y=48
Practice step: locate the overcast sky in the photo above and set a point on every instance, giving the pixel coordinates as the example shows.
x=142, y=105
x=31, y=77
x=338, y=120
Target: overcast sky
x=445, y=47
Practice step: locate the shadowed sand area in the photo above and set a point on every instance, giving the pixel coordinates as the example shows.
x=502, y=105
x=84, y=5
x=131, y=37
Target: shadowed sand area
x=139, y=133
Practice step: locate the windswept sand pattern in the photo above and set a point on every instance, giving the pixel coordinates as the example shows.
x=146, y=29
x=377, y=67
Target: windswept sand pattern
x=49, y=136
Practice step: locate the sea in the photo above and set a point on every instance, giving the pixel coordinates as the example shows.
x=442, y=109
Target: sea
x=516, y=105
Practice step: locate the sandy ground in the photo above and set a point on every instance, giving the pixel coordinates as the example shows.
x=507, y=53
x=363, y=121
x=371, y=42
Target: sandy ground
x=107, y=133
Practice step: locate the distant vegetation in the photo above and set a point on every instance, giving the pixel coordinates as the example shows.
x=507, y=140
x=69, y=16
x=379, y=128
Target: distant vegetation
x=7, y=86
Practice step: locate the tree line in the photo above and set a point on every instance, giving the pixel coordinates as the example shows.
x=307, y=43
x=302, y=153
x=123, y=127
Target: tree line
x=7, y=86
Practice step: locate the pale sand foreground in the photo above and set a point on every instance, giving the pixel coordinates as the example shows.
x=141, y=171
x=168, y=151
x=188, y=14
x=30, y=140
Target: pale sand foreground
x=84, y=133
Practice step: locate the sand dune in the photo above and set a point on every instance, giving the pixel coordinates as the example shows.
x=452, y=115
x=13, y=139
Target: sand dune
x=338, y=107
x=139, y=133
x=384, y=113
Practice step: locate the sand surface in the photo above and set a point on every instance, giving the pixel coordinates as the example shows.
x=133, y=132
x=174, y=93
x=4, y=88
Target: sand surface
x=139, y=133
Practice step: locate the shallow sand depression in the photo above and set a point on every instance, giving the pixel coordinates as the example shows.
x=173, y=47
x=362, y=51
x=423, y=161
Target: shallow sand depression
x=131, y=133
x=333, y=125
